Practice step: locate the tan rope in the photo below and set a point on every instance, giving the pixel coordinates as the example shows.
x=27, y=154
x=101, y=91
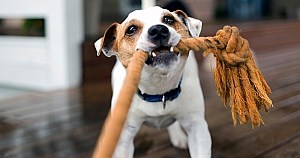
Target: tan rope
x=115, y=121
x=238, y=81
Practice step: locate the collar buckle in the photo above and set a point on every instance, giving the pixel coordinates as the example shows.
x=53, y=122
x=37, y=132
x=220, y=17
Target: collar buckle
x=163, y=99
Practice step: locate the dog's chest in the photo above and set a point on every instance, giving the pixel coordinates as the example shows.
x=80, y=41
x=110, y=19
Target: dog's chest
x=160, y=121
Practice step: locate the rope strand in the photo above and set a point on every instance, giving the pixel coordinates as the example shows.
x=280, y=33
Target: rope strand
x=115, y=121
x=237, y=77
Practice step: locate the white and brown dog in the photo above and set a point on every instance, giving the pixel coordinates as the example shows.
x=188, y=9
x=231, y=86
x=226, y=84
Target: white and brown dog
x=169, y=93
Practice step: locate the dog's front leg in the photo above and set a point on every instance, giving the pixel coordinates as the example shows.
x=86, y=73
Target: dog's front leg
x=199, y=140
x=125, y=147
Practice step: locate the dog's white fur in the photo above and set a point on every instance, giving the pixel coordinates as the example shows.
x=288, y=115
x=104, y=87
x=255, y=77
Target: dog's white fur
x=190, y=129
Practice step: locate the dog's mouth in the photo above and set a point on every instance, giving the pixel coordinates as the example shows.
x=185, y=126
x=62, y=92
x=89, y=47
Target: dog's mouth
x=162, y=55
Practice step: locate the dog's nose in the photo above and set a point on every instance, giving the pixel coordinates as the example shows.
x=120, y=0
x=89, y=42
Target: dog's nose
x=159, y=33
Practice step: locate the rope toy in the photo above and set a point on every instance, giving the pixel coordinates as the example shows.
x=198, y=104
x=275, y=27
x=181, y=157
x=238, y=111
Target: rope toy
x=237, y=77
x=238, y=81
x=115, y=120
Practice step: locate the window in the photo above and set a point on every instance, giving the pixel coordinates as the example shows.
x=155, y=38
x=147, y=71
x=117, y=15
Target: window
x=22, y=27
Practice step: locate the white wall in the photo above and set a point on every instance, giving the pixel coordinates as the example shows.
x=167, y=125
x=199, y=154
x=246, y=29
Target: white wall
x=43, y=63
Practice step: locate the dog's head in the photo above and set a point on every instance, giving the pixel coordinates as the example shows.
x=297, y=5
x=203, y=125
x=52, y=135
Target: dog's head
x=154, y=30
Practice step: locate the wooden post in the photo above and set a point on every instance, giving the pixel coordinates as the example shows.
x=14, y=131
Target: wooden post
x=148, y=3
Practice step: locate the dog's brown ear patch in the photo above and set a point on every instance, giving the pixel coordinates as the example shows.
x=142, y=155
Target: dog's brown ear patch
x=194, y=25
x=181, y=14
x=108, y=44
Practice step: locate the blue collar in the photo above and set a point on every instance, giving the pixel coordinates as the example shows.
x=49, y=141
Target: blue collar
x=168, y=96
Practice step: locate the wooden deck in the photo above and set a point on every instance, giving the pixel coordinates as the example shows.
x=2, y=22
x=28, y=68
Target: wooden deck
x=67, y=123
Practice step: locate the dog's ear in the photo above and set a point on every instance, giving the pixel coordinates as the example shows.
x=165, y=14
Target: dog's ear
x=194, y=25
x=107, y=44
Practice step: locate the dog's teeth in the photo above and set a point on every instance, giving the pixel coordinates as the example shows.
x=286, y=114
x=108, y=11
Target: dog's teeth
x=172, y=49
x=153, y=54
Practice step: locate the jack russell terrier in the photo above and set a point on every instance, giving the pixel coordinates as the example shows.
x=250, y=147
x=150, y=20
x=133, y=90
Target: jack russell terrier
x=169, y=93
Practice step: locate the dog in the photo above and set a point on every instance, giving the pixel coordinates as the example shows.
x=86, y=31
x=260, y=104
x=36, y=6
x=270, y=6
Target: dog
x=169, y=92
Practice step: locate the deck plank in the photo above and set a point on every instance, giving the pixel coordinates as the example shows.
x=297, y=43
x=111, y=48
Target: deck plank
x=287, y=148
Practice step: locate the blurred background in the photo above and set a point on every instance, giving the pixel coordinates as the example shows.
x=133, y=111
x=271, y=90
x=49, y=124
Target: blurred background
x=55, y=92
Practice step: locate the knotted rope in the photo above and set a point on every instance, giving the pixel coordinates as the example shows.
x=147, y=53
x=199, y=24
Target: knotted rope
x=237, y=78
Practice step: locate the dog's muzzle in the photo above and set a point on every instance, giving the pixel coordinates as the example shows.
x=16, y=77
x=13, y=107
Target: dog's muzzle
x=162, y=54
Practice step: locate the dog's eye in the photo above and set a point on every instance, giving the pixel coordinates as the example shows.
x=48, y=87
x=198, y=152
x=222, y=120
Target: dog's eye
x=169, y=20
x=131, y=30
